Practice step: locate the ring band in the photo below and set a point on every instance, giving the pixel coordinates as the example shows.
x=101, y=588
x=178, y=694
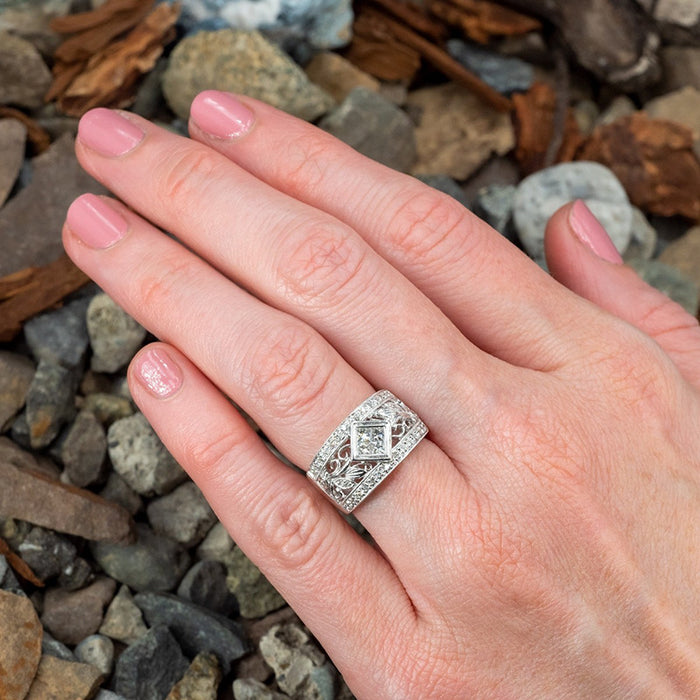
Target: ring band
x=365, y=448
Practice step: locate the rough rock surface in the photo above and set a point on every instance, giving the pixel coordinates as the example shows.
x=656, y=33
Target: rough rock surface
x=30, y=223
x=684, y=254
x=84, y=450
x=195, y=628
x=337, y=76
x=456, y=132
x=243, y=62
x=25, y=76
x=64, y=679
x=123, y=620
x=140, y=458
x=375, y=127
x=256, y=596
x=71, y=616
x=98, y=651
x=16, y=374
x=13, y=135
x=201, y=680
x=150, y=667
x=20, y=645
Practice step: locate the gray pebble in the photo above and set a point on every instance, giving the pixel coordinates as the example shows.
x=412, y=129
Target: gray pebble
x=19, y=431
x=123, y=620
x=59, y=336
x=114, y=335
x=301, y=668
x=8, y=580
x=52, y=647
x=184, y=515
x=541, y=194
x=103, y=694
x=670, y=281
x=251, y=689
x=117, y=490
x=256, y=596
x=375, y=127
x=25, y=76
x=195, y=628
x=152, y=563
x=217, y=545
x=13, y=136
x=494, y=204
x=47, y=553
x=107, y=407
x=50, y=402
x=150, y=667
x=98, y=651
x=205, y=584
x=140, y=458
x=84, y=449
x=504, y=74
x=16, y=374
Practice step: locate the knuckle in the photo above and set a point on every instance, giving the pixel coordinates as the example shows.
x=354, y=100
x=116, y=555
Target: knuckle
x=293, y=528
x=323, y=261
x=185, y=172
x=305, y=165
x=292, y=373
x=157, y=289
x=665, y=318
x=426, y=226
x=215, y=456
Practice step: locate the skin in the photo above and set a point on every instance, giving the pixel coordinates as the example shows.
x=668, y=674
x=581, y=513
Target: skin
x=543, y=541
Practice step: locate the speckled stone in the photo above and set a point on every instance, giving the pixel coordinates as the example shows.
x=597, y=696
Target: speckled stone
x=541, y=194
x=98, y=651
x=114, y=335
x=243, y=62
x=123, y=620
x=201, y=680
x=140, y=458
x=57, y=678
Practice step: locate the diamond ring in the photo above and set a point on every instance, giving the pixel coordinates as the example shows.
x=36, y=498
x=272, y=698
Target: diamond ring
x=365, y=448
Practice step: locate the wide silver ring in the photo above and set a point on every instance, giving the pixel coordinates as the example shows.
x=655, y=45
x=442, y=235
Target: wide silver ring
x=365, y=448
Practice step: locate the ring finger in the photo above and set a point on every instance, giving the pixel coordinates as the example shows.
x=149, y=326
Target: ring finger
x=282, y=372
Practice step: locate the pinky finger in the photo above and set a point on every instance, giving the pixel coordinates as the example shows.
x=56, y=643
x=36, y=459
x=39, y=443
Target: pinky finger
x=338, y=584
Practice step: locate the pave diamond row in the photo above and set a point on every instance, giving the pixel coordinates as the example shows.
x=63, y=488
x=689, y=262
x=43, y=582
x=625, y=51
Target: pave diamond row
x=379, y=469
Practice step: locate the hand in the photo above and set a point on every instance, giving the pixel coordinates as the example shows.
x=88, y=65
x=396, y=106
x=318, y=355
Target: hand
x=544, y=540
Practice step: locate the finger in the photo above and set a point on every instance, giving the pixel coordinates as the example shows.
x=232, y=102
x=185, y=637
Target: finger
x=340, y=586
x=280, y=371
x=297, y=259
x=582, y=257
x=457, y=260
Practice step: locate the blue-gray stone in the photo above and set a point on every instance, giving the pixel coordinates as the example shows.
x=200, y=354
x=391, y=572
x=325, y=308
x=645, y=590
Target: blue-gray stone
x=50, y=402
x=325, y=24
x=494, y=204
x=670, y=281
x=205, y=585
x=195, y=628
x=446, y=184
x=541, y=194
x=504, y=74
x=59, y=336
x=375, y=127
x=150, y=667
x=152, y=563
x=51, y=646
x=8, y=580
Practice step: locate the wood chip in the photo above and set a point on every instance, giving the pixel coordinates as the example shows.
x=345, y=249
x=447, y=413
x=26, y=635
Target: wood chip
x=26, y=293
x=534, y=128
x=377, y=52
x=19, y=566
x=654, y=160
x=37, y=135
x=415, y=17
x=481, y=20
x=115, y=45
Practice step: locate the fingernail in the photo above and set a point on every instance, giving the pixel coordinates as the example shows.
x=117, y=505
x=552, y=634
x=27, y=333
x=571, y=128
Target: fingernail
x=221, y=115
x=157, y=371
x=94, y=222
x=590, y=232
x=108, y=132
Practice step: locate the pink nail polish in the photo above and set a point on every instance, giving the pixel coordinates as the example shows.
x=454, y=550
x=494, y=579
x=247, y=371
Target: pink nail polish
x=108, y=132
x=221, y=115
x=157, y=371
x=95, y=222
x=589, y=231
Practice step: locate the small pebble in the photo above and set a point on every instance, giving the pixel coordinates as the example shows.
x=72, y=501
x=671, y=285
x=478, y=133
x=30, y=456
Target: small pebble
x=251, y=689
x=114, y=335
x=98, y=651
x=201, y=680
x=205, y=584
x=84, y=450
x=16, y=374
x=256, y=596
x=216, y=545
x=123, y=620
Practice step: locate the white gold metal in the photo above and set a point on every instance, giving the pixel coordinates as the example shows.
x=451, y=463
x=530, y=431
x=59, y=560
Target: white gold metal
x=365, y=448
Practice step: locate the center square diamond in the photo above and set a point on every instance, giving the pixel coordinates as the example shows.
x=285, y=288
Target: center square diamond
x=370, y=439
